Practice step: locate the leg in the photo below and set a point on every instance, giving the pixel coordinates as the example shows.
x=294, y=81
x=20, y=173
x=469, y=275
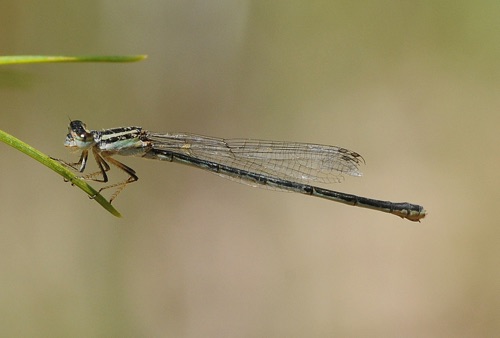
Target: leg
x=82, y=163
x=120, y=185
x=77, y=166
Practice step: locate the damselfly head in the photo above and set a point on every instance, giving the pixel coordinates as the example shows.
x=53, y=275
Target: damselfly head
x=78, y=136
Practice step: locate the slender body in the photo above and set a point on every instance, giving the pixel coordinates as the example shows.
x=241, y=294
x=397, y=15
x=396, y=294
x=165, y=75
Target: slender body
x=275, y=165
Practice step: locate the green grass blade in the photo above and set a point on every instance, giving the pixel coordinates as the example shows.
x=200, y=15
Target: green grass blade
x=58, y=168
x=19, y=59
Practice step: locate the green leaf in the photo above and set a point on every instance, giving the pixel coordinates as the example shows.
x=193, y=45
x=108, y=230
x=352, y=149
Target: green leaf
x=58, y=168
x=19, y=59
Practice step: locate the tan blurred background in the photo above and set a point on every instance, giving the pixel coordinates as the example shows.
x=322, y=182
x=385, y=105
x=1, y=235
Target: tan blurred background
x=412, y=86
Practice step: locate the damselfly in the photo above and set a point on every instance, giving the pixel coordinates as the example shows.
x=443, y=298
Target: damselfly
x=284, y=166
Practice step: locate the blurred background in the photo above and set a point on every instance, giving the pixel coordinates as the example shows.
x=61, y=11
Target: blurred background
x=412, y=86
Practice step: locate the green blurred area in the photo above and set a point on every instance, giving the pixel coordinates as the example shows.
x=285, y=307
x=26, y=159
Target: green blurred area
x=412, y=86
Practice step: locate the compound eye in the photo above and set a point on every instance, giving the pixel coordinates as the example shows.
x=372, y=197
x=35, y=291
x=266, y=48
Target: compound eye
x=78, y=130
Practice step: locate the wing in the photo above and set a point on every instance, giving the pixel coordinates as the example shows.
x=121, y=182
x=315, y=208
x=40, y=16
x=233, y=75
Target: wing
x=302, y=162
